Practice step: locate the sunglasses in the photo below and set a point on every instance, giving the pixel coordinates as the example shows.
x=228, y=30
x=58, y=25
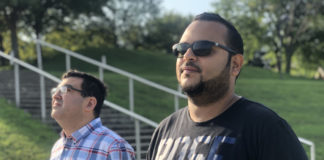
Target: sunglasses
x=199, y=48
x=64, y=89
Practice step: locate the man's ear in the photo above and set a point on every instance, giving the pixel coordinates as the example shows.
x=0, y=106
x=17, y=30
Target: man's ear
x=237, y=63
x=91, y=104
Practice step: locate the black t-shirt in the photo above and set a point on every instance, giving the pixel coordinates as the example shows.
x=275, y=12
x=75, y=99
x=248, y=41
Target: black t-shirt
x=245, y=131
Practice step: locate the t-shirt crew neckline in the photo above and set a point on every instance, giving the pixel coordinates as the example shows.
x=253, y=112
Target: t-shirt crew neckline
x=233, y=107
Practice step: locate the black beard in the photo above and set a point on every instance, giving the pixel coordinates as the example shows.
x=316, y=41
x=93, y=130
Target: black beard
x=211, y=90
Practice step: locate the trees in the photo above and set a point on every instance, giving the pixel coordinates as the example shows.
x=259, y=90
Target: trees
x=125, y=20
x=163, y=32
x=290, y=24
x=2, y=29
x=12, y=11
x=287, y=24
x=43, y=14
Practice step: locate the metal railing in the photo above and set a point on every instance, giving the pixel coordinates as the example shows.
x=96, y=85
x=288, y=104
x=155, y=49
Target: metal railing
x=312, y=146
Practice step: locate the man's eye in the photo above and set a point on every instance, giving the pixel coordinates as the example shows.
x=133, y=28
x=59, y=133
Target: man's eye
x=68, y=89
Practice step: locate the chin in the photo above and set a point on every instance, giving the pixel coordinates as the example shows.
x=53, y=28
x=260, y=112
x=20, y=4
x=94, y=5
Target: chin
x=189, y=83
x=55, y=114
x=188, y=88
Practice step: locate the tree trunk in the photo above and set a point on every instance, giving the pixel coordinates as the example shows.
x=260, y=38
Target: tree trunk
x=115, y=39
x=278, y=57
x=2, y=60
x=13, y=32
x=289, y=52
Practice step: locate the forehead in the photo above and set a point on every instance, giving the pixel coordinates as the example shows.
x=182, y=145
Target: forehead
x=74, y=81
x=205, y=30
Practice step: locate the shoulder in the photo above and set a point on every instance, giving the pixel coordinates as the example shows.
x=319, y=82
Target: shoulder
x=261, y=118
x=257, y=111
x=59, y=142
x=170, y=123
x=109, y=137
x=271, y=133
x=111, y=142
x=57, y=147
x=173, y=118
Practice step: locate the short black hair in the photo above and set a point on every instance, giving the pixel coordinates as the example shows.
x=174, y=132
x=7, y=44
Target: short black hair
x=234, y=39
x=91, y=87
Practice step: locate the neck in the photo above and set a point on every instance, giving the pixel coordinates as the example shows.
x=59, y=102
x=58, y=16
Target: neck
x=70, y=127
x=209, y=111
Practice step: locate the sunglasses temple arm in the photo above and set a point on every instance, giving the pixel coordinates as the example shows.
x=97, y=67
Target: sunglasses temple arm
x=225, y=48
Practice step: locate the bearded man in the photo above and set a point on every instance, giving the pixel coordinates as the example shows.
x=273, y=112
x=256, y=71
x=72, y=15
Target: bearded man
x=218, y=124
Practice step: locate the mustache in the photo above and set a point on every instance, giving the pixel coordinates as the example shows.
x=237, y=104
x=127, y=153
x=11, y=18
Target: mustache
x=191, y=64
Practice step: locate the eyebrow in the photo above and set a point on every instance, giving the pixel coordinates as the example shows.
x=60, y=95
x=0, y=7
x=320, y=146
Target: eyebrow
x=71, y=87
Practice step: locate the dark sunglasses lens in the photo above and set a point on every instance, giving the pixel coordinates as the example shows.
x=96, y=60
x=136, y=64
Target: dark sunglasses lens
x=180, y=49
x=202, y=48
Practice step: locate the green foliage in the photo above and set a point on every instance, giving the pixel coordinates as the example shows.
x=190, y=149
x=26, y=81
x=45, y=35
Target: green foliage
x=312, y=51
x=75, y=39
x=40, y=16
x=21, y=137
x=280, y=27
x=163, y=32
x=124, y=21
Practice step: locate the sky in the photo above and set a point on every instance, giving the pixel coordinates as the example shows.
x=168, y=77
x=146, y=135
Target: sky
x=186, y=7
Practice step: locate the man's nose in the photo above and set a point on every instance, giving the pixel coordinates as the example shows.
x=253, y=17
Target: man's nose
x=189, y=55
x=57, y=95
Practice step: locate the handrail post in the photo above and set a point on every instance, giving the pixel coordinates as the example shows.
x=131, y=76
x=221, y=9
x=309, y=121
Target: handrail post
x=176, y=99
x=138, y=139
x=101, y=70
x=137, y=125
x=312, y=151
x=131, y=94
x=176, y=103
x=41, y=81
x=17, y=87
x=67, y=62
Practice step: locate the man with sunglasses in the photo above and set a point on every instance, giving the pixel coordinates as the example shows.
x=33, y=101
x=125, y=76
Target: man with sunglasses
x=217, y=124
x=76, y=105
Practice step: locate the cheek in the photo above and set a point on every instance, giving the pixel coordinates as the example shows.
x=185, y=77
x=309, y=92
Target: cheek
x=178, y=64
x=212, y=69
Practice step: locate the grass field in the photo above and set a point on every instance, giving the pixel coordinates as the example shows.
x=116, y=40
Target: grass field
x=296, y=99
x=21, y=137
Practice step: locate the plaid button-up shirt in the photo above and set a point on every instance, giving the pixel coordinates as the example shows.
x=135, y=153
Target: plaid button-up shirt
x=92, y=142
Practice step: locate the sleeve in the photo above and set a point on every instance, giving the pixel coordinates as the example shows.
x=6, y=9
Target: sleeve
x=278, y=141
x=121, y=150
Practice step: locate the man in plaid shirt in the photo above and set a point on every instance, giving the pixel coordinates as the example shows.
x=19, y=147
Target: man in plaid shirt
x=76, y=105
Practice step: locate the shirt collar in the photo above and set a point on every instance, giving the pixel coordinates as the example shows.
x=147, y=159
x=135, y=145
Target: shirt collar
x=85, y=130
